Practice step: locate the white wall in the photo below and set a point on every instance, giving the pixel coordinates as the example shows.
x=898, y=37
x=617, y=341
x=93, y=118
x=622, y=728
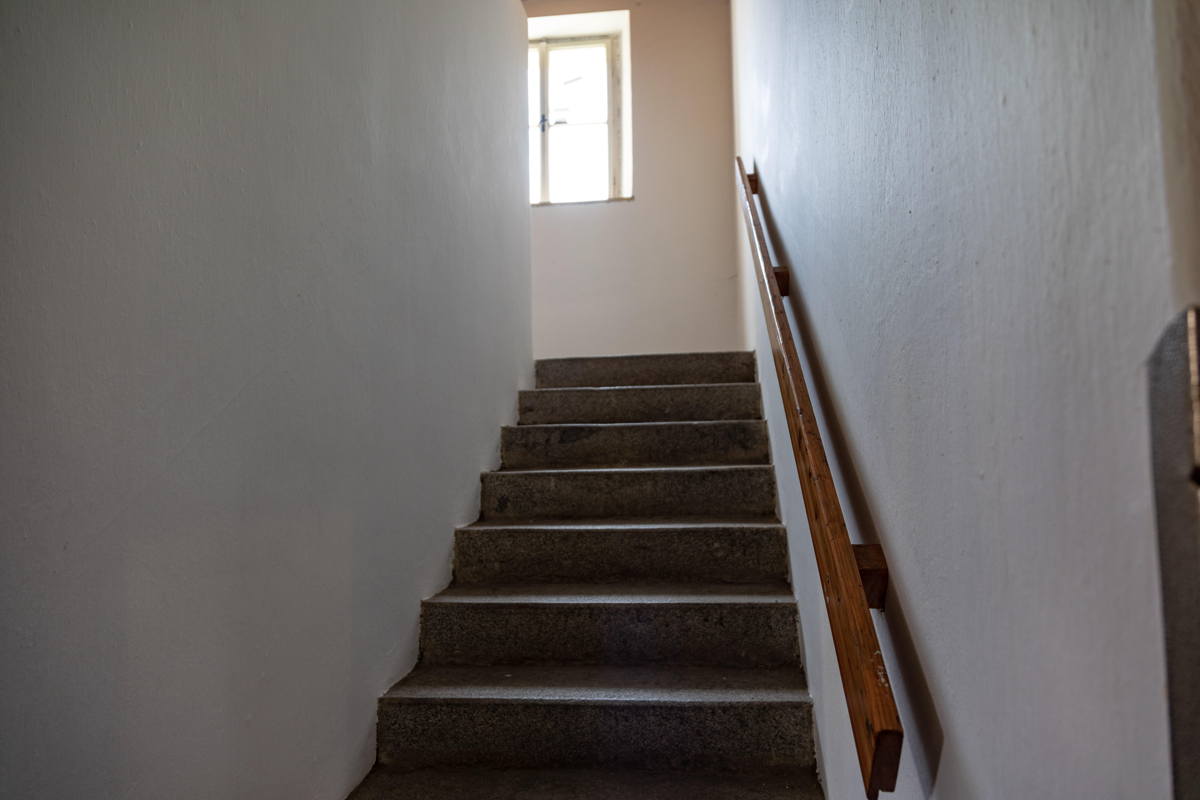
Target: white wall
x=657, y=273
x=1177, y=38
x=972, y=198
x=264, y=302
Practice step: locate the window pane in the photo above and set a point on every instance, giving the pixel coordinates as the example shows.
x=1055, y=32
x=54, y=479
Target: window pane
x=578, y=84
x=535, y=86
x=578, y=163
x=535, y=165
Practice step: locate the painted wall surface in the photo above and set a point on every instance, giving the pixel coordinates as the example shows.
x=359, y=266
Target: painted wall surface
x=972, y=199
x=264, y=302
x=1178, y=46
x=657, y=273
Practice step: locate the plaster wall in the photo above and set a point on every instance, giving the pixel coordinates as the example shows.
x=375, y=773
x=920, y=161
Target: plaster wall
x=1178, y=48
x=264, y=302
x=656, y=273
x=972, y=199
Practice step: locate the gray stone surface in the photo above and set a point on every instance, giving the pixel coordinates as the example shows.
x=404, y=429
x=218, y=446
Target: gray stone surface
x=646, y=370
x=725, y=625
x=641, y=404
x=606, y=552
x=737, y=492
x=640, y=444
x=620, y=623
x=587, y=784
x=573, y=716
x=673, y=736
x=572, y=683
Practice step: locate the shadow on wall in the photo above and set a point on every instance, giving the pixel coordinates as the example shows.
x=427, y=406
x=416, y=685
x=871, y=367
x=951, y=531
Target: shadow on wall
x=926, y=738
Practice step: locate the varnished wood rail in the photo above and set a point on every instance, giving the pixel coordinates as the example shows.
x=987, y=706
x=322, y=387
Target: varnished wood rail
x=873, y=716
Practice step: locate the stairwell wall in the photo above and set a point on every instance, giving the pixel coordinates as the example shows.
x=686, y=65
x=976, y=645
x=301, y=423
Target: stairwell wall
x=972, y=199
x=264, y=303
x=657, y=273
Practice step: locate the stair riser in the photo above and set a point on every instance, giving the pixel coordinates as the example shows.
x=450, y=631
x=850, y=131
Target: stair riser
x=647, y=370
x=739, y=493
x=525, y=735
x=715, y=634
x=635, y=445
x=652, y=404
x=561, y=556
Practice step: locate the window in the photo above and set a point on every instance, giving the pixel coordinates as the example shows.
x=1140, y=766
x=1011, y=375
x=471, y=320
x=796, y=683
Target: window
x=578, y=117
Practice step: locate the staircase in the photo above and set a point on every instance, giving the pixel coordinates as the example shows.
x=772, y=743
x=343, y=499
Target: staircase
x=620, y=623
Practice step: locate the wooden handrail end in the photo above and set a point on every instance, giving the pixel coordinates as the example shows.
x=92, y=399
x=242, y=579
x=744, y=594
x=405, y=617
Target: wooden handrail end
x=752, y=179
x=872, y=567
x=886, y=765
x=783, y=279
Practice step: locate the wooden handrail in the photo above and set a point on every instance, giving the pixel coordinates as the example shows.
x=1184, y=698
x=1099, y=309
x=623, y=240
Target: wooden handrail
x=873, y=715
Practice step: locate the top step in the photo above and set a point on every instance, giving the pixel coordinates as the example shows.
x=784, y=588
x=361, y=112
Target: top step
x=649, y=370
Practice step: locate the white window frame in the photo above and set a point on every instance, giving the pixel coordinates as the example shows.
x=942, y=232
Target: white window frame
x=612, y=49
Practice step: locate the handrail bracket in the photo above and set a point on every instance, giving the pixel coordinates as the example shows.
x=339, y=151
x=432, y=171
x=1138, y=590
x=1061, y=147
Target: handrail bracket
x=872, y=566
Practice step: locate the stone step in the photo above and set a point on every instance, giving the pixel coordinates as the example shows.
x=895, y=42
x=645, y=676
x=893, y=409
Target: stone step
x=615, y=624
x=640, y=444
x=587, y=784
x=582, y=552
x=719, y=492
x=568, y=716
x=646, y=370
x=711, y=401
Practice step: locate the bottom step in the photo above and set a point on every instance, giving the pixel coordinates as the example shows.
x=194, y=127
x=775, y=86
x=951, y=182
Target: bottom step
x=586, y=785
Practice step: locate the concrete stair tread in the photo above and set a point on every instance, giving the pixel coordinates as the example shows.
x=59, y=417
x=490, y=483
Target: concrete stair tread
x=632, y=387
x=644, y=403
x=608, y=551
x=616, y=594
x=648, y=524
x=654, y=470
x=718, y=492
x=634, y=444
x=662, y=423
x=601, y=684
x=627, y=623
x=587, y=784
x=664, y=368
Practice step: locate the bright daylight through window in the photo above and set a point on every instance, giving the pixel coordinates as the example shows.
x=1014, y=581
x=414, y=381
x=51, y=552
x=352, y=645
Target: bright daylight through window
x=579, y=125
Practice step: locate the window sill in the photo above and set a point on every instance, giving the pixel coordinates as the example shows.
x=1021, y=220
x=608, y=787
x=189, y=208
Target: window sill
x=584, y=202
